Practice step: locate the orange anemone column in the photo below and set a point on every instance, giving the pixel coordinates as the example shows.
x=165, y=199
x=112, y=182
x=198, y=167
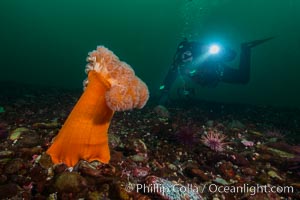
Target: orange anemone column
x=84, y=134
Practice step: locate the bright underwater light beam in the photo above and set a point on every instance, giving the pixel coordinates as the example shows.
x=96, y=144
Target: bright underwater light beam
x=214, y=49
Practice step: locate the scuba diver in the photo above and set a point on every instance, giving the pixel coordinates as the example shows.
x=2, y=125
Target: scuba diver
x=206, y=65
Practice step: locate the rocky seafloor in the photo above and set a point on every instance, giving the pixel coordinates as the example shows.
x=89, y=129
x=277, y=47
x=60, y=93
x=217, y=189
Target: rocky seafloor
x=202, y=150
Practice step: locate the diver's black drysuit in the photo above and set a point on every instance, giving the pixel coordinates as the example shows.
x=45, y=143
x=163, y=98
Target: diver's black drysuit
x=190, y=61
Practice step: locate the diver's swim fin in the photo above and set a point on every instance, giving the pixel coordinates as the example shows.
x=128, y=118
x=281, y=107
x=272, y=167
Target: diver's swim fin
x=258, y=42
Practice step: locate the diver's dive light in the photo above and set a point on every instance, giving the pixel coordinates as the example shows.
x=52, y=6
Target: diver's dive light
x=214, y=49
